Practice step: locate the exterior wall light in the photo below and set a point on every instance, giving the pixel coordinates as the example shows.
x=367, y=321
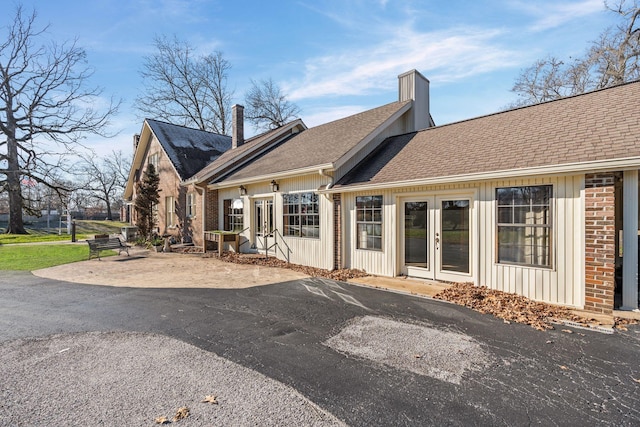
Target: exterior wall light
x=274, y=186
x=243, y=190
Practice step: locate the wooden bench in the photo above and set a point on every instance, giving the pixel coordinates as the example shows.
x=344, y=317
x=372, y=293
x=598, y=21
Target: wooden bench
x=103, y=244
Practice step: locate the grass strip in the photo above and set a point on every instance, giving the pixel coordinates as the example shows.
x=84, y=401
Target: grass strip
x=34, y=257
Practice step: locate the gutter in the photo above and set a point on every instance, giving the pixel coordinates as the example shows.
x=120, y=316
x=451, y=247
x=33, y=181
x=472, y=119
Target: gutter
x=566, y=169
x=270, y=176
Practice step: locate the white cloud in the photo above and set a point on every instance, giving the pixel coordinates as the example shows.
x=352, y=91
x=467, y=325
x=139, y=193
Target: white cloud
x=447, y=55
x=554, y=14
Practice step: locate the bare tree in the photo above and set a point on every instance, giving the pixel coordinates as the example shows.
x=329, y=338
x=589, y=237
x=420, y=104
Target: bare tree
x=267, y=106
x=183, y=88
x=105, y=178
x=45, y=109
x=612, y=59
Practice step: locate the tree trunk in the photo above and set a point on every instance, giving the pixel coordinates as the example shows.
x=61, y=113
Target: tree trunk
x=16, y=224
x=109, y=215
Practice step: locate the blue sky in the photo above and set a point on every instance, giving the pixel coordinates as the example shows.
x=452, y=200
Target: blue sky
x=333, y=58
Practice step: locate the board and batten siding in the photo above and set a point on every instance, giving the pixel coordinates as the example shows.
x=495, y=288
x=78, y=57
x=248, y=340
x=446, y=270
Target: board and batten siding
x=563, y=283
x=297, y=250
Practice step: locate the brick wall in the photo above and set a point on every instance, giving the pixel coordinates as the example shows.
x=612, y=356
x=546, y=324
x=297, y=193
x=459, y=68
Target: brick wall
x=337, y=231
x=600, y=236
x=212, y=210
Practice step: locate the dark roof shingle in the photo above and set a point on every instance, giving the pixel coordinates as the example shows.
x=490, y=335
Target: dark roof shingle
x=320, y=145
x=238, y=152
x=189, y=149
x=601, y=125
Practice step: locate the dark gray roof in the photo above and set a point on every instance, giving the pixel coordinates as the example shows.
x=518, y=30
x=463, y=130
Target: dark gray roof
x=189, y=149
x=601, y=125
x=245, y=149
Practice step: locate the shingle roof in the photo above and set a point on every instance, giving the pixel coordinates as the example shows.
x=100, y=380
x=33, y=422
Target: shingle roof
x=189, y=149
x=319, y=145
x=238, y=152
x=601, y=125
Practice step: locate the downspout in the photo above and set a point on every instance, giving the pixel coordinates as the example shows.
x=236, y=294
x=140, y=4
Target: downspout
x=322, y=173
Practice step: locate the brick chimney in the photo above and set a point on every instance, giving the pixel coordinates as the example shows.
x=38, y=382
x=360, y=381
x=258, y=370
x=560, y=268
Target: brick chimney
x=413, y=85
x=237, y=116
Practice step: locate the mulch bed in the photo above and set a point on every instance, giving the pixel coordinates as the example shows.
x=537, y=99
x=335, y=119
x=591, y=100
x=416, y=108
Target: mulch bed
x=341, y=275
x=503, y=305
x=510, y=307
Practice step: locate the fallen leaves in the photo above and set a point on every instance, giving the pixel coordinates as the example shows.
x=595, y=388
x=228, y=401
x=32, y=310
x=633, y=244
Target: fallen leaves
x=621, y=324
x=181, y=413
x=184, y=411
x=341, y=275
x=506, y=306
x=210, y=399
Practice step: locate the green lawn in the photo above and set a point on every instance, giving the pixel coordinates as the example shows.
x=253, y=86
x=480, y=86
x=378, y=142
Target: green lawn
x=33, y=257
x=85, y=229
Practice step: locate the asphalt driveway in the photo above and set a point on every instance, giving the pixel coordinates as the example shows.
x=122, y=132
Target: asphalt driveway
x=365, y=356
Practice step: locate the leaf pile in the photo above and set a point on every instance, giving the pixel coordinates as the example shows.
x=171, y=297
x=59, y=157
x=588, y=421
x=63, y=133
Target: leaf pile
x=341, y=275
x=507, y=306
x=621, y=323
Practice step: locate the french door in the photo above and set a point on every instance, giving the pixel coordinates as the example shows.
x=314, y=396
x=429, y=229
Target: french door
x=435, y=237
x=263, y=223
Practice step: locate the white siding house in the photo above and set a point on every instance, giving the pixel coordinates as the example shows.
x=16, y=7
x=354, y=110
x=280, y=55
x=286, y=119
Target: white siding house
x=541, y=201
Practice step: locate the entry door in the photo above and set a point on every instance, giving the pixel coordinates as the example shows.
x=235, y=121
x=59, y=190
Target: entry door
x=416, y=250
x=453, y=238
x=263, y=223
x=436, y=238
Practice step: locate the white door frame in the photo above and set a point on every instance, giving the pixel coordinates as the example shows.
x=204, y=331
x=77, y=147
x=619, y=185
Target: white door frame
x=434, y=269
x=260, y=238
x=413, y=271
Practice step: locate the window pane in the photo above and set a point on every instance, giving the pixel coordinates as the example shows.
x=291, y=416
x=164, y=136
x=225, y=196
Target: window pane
x=504, y=196
x=520, y=214
x=505, y=215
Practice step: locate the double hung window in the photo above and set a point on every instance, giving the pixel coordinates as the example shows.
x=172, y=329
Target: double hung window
x=369, y=222
x=524, y=225
x=233, y=215
x=301, y=216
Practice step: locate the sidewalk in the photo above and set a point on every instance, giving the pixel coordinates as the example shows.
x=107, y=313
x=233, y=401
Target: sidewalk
x=148, y=269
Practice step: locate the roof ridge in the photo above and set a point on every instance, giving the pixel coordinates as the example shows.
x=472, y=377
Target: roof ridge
x=186, y=127
x=359, y=113
x=564, y=98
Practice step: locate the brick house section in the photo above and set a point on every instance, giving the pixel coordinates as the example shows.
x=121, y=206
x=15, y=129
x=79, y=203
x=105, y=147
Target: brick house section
x=211, y=220
x=600, y=236
x=337, y=231
x=212, y=211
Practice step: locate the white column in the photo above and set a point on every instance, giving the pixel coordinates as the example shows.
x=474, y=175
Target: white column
x=630, y=241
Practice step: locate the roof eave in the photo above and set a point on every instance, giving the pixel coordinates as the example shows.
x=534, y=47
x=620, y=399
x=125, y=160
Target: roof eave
x=276, y=137
x=596, y=165
x=278, y=175
x=138, y=157
x=365, y=141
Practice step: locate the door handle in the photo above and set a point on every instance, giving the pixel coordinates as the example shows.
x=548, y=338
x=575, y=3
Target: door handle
x=437, y=240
